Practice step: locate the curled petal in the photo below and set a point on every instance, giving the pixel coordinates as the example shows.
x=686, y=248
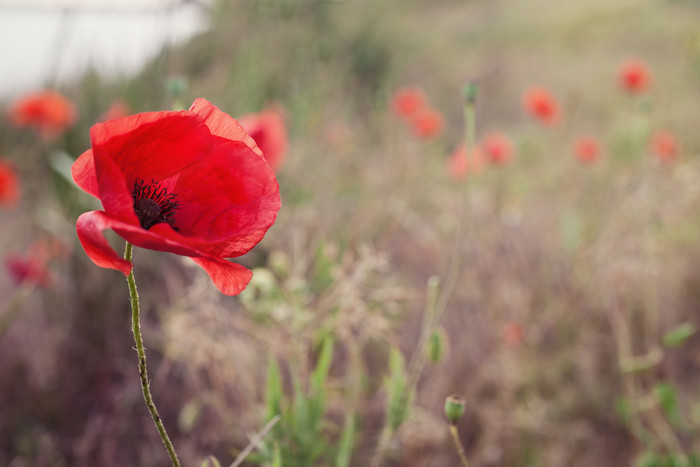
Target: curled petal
x=84, y=174
x=222, y=124
x=230, y=278
x=90, y=226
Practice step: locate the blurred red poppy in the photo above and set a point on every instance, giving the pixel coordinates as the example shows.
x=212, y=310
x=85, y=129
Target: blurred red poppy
x=28, y=269
x=460, y=164
x=634, y=76
x=663, y=145
x=513, y=333
x=497, y=148
x=542, y=105
x=407, y=101
x=49, y=112
x=33, y=266
x=586, y=149
x=191, y=183
x=427, y=123
x=117, y=109
x=268, y=130
x=9, y=185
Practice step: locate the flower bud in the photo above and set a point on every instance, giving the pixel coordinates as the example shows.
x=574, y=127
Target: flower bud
x=469, y=92
x=437, y=345
x=454, y=408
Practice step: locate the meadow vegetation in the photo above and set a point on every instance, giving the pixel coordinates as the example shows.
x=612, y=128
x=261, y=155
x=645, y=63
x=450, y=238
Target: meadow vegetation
x=558, y=298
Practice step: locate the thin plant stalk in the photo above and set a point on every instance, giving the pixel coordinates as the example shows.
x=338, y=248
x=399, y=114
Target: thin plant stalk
x=435, y=307
x=458, y=445
x=136, y=328
x=255, y=441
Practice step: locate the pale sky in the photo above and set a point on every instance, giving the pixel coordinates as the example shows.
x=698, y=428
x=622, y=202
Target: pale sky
x=40, y=38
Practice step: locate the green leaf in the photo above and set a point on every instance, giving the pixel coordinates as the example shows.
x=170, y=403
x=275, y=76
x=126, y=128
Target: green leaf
x=679, y=335
x=623, y=408
x=666, y=395
x=214, y=462
x=273, y=390
x=323, y=364
x=399, y=394
x=347, y=441
x=647, y=459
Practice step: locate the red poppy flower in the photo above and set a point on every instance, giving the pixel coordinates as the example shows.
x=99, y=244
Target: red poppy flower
x=33, y=267
x=587, y=149
x=497, y=148
x=513, y=333
x=28, y=269
x=427, y=123
x=190, y=182
x=542, y=105
x=663, y=145
x=268, y=130
x=117, y=109
x=49, y=112
x=634, y=76
x=460, y=164
x=407, y=101
x=9, y=185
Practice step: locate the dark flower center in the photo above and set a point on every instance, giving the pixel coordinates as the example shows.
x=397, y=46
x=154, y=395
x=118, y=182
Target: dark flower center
x=153, y=204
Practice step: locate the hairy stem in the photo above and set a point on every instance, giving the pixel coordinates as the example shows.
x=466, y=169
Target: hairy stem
x=136, y=328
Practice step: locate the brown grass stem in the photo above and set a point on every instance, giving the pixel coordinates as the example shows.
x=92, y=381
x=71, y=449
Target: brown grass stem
x=136, y=328
x=255, y=441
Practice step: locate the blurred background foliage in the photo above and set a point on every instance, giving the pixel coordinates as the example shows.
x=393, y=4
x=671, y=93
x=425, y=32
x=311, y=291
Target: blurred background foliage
x=570, y=332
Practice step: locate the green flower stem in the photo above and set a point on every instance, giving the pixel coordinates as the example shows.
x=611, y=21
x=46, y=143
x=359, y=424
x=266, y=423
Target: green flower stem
x=136, y=328
x=458, y=444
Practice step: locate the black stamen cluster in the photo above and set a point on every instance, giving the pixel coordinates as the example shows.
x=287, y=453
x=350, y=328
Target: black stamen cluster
x=153, y=204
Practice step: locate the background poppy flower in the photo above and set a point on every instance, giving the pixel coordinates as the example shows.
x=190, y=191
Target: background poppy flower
x=406, y=101
x=586, y=149
x=497, y=148
x=427, y=123
x=542, y=105
x=460, y=164
x=30, y=268
x=190, y=182
x=268, y=130
x=634, y=76
x=663, y=145
x=513, y=333
x=117, y=109
x=49, y=112
x=9, y=184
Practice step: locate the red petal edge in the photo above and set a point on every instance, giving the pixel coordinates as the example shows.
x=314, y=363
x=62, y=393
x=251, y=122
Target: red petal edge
x=222, y=124
x=89, y=227
x=230, y=278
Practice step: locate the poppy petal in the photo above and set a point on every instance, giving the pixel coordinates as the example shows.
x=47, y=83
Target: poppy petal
x=84, y=174
x=114, y=193
x=222, y=124
x=89, y=227
x=239, y=205
x=230, y=278
x=152, y=145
